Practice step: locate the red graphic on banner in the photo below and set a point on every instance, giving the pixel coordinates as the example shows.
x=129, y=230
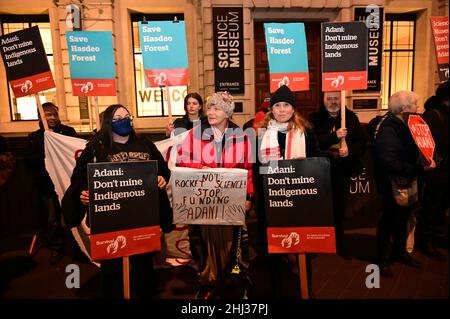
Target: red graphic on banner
x=32, y=84
x=93, y=87
x=301, y=240
x=439, y=25
x=422, y=136
x=125, y=242
x=298, y=81
x=167, y=77
x=338, y=81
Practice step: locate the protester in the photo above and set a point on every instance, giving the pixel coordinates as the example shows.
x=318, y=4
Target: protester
x=193, y=106
x=432, y=229
x=346, y=157
x=259, y=116
x=49, y=205
x=222, y=144
x=396, y=158
x=117, y=142
x=281, y=124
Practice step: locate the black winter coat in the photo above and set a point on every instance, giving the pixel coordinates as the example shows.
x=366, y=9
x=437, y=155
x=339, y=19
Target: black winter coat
x=184, y=124
x=437, y=116
x=325, y=128
x=395, y=153
x=35, y=156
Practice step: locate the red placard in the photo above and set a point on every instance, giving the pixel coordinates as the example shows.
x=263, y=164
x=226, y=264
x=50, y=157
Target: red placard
x=439, y=25
x=301, y=239
x=422, y=136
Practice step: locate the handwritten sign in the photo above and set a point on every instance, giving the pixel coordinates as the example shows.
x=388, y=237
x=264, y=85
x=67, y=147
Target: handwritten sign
x=422, y=136
x=212, y=197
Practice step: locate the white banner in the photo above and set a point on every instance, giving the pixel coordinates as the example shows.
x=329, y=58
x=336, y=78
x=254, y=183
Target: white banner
x=214, y=196
x=60, y=157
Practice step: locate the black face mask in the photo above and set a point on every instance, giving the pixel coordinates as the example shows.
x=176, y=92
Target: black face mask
x=122, y=127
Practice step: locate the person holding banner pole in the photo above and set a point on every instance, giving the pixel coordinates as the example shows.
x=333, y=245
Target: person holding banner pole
x=331, y=130
x=117, y=141
x=193, y=106
x=48, y=199
x=220, y=143
x=396, y=158
x=284, y=134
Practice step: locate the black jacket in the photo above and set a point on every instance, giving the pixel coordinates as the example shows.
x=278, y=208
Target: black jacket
x=35, y=156
x=436, y=115
x=184, y=124
x=72, y=208
x=325, y=128
x=395, y=153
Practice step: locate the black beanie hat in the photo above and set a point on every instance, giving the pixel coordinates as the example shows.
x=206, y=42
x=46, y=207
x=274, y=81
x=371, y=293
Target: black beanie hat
x=283, y=94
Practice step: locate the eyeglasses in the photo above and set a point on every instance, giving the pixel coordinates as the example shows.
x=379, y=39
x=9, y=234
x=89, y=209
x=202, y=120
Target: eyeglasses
x=116, y=119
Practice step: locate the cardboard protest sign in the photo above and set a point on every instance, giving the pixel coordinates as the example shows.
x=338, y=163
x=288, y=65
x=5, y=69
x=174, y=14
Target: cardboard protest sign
x=344, y=56
x=298, y=204
x=373, y=17
x=164, y=52
x=287, y=55
x=228, y=37
x=123, y=208
x=212, y=197
x=91, y=60
x=422, y=136
x=25, y=62
x=439, y=25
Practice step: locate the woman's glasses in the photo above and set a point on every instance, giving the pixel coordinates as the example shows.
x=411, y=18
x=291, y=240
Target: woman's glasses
x=119, y=118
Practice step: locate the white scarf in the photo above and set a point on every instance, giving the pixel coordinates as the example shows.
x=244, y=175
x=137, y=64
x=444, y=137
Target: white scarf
x=270, y=148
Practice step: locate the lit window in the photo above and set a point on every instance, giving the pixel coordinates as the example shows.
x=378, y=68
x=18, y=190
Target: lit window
x=25, y=108
x=398, y=54
x=148, y=100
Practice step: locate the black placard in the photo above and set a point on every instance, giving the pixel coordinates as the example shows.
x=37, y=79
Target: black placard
x=373, y=17
x=228, y=38
x=300, y=194
x=123, y=196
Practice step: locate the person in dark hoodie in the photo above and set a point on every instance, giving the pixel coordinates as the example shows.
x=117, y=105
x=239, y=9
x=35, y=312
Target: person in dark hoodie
x=193, y=106
x=431, y=226
x=49, y=206
x=345, y=159
x=396, y=156
x=117, y=141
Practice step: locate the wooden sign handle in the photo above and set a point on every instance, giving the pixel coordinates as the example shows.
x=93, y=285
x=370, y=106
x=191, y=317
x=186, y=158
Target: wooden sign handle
x=169, y=106
x=126, y=277
x=41, y=112
x=343, y=142
x=303, y=271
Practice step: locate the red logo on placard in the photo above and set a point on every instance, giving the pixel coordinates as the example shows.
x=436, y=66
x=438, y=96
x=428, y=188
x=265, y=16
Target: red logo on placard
x=422, y=136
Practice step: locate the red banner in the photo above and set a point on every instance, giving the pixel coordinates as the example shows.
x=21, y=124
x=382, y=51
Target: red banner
x=422, y=136
x=338, y=81
x=32, y=84
x=125, y=243
x=167, y=77
x=295, y=81
x=93, y=87
x=301, y=239
x=439, y=25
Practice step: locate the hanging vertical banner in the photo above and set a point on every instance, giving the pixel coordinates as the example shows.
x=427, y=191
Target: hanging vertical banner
x=228, y=38
x=439, y=25
x=373, y=17
x=344, y=56
x=25, y=62
x=298, y=203
x=287, y=55
x=91, y=60
x=164, y=52
x=123, y=208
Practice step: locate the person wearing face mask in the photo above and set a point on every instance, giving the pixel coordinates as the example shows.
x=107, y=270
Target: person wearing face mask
x=345, y=159
x=49, y=206
x=284, y=134
x=193, y=106
x=117, y=141
x=219, y=144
